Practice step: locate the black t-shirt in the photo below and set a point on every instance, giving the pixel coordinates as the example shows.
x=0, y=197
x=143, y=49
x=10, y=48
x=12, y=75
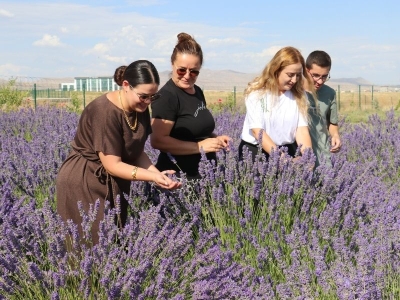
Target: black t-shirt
x=193, y=123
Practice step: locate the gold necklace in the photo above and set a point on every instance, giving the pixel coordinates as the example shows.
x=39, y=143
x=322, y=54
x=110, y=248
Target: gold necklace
x=133, y=128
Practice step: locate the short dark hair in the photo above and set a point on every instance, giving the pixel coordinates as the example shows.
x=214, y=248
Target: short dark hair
x=138, y=72
x=319, y=58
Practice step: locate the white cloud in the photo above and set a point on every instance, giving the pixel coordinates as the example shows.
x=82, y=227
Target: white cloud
x=122, y=39
x=6, y=13
x=270, y=51
x=158, y=60
x=252, y=23
x=101, y=48
x=48, y=40
x=227, y=41
x=145, y=3
x=380, y=48
x=140, y=42
x=95, y=47
x=101, y=51
x=165, y=44
x=119, y=60
x=243, y=61
x=133, y=34
x=249, y=60
x=10, y=69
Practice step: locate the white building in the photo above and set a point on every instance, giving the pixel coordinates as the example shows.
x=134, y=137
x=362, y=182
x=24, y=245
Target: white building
x=90, y=84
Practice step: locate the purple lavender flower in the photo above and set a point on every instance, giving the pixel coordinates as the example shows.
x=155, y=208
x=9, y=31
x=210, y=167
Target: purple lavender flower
x=245, y=231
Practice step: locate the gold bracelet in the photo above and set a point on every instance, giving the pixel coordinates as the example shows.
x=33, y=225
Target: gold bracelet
x=134, y=171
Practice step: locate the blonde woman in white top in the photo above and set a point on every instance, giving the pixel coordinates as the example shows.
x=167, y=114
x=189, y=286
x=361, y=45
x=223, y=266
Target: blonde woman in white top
x=276, y=106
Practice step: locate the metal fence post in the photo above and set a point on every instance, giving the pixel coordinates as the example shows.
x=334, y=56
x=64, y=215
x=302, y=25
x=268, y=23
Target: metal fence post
x=34, y=95
x=359, y=97
x=234, y=96
x=84, y=94
x=372, y=96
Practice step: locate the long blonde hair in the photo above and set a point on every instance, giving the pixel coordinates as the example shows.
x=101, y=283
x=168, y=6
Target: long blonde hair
x=268, y=80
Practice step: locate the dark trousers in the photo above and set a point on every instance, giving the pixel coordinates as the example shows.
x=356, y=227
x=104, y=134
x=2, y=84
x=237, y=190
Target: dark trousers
x=254, y=149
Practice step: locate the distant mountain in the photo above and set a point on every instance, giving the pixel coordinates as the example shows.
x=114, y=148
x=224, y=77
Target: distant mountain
x=216, y=80
x=24, y=83
x=223, y=80
x=349, y=84
x=356, y=81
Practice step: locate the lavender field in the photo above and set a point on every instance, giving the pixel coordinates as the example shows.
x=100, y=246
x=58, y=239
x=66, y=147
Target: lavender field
x=275, y=230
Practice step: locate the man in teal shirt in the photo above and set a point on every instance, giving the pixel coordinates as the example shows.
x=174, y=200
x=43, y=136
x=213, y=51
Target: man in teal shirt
x=324, y=130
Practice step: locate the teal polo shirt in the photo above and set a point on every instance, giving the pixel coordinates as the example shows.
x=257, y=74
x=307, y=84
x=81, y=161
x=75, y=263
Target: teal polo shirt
x=321, y=114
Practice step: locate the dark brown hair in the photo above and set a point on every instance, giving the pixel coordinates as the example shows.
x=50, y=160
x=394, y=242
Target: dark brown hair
x=138, y=72
x=319, y=58
x=187, y=45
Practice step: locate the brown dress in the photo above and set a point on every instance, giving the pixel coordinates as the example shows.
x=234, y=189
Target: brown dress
x=82, y=177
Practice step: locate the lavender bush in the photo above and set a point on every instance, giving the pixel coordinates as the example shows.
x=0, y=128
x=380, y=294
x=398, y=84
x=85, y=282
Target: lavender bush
x=151, y=258
x=263, y=230
x=33, y=146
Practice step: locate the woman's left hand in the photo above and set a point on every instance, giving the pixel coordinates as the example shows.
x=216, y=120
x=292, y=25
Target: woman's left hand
x=162, y=180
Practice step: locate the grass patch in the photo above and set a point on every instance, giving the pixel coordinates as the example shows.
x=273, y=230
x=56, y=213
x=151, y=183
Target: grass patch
x=362, y=116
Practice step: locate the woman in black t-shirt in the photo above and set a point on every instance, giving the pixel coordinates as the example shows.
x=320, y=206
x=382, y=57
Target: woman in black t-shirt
x=181, y=123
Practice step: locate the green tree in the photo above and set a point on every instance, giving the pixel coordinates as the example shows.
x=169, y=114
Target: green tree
x=10, y=96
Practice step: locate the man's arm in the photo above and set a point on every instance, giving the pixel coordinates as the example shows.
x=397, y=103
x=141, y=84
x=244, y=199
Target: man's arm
x=333, y=127
x=335, y=137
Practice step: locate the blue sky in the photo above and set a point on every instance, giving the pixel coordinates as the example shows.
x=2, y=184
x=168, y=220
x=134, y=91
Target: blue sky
x=91, y=38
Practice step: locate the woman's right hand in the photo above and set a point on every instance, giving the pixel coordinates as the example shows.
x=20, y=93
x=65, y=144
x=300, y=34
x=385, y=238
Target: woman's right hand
x=211, y=145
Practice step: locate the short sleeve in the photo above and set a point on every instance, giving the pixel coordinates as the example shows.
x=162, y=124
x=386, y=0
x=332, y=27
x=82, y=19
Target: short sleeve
x=311, y=103
x=302, y=120
x=110, y=139
x=255, y=108
x=103, y=128
x=333, y=113
x=166, y=107
x=99, y=129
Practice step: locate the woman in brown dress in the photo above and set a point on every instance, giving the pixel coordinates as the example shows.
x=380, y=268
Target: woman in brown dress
x=108, y=149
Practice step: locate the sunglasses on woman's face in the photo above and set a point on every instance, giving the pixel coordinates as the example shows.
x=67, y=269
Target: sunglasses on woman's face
x=183, y=71
x=146, y=98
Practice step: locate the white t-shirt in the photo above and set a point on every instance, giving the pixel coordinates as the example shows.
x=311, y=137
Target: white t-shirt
x=278, y=116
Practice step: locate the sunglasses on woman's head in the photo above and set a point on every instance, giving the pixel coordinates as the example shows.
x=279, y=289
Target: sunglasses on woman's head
x=183, y=71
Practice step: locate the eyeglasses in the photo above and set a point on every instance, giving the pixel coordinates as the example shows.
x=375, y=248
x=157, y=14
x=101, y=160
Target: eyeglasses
x=146, y=98
x=318, y=77
x=183, y=71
